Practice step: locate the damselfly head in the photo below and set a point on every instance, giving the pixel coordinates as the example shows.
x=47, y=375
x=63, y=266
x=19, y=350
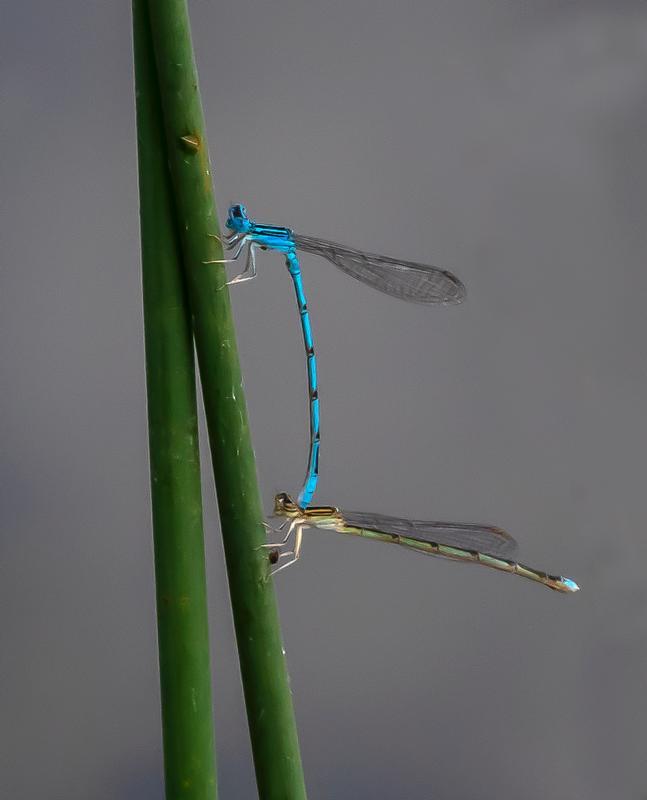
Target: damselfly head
x=237, y=219
x=284, y=505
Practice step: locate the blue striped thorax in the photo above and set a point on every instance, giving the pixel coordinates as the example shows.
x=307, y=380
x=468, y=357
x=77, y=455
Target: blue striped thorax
x=273, y=237
x=270, y=236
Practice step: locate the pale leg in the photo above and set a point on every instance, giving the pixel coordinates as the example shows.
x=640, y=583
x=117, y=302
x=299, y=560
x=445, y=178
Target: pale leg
x=228, y=241
x=236, y=255
x=250, y=268
x=284, y=541
x=298, y=540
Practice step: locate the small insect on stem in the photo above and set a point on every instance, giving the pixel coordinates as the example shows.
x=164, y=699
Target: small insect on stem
x=273, y=556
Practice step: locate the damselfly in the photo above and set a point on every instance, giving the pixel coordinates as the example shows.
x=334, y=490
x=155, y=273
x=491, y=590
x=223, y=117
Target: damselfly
x=465, y=542
x=407, y=280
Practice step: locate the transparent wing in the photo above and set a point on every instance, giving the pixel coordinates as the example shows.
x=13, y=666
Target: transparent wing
x=417, y=283
x=482, y=538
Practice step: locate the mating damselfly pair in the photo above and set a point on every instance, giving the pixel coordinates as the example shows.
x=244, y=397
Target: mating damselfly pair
x=407, y=280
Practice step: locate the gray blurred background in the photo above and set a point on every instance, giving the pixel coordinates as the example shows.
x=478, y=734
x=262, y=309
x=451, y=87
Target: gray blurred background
x=502, y=140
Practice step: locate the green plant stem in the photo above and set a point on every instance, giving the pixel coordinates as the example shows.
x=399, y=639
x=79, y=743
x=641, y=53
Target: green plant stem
x=189, y=757
x=269, y=704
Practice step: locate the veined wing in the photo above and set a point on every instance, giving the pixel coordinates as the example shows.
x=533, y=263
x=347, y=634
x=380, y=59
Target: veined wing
x=417, y=283
x=466, y=536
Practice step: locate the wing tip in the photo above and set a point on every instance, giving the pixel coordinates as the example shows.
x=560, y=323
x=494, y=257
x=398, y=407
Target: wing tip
x=460, y=290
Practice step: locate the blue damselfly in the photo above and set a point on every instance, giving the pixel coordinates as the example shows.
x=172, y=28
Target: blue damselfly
x=407, y=280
